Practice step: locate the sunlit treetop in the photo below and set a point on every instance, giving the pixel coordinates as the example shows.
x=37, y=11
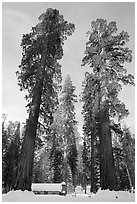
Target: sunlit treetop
x=106, y=49
x=106, y=54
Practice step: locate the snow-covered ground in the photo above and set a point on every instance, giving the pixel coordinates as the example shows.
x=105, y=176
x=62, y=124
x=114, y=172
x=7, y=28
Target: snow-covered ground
x=100, y=196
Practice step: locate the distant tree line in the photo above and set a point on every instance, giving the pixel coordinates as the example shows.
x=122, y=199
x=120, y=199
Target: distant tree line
x=48, y=167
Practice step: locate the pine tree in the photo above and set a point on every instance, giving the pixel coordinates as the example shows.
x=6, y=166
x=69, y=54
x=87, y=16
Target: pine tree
x=56, y=150
x=121, y=172
x=86, y=163
x=56, y=156
x=67, y=110
x=40, y=74
x=124, y=153
x=80, y=166
x=128, y=145
x=5, y=145
x=42, y=173
x=4, y=136
x=105, y=54
x=38, y=159
x=11, y=155
x=90, y=127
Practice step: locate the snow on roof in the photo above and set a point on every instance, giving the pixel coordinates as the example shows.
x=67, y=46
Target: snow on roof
x=46, y=186
x=63, y=183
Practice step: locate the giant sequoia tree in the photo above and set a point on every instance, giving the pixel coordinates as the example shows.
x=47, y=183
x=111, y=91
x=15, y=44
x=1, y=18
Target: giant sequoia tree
x=105, y=54
x=40, y=73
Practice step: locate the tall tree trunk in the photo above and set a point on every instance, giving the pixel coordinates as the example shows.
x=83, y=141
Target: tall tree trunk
x=107, y=170
x=129, y=177
x=25, y=164
x=74, y=180
x=65, y=174
x=92, y=176
x=85, y=183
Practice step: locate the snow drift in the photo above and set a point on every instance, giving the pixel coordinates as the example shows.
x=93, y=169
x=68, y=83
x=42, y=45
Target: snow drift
x=100, y=196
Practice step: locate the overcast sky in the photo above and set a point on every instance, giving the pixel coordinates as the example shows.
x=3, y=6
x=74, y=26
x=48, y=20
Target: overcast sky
x=18, y=18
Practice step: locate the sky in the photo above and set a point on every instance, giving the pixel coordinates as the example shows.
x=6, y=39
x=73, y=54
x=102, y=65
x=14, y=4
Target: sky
x=19, y=17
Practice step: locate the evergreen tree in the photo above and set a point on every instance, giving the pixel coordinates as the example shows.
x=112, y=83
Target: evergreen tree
x=80, y=166
x=90, y=127
x=86, y=163
x=63, y=140
x=121, y=171
x=42, y=173
x=4, y=150
x=40, y=74
x=56, y=156
x=124, y=156
x=4, y=136
x=57, y=147
x=68, y=100
x=128, y=145
x=11, y=155
x=38, y=160
x=105, y=53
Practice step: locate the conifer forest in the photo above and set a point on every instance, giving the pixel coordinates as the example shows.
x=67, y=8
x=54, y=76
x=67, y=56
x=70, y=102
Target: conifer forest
x=47, y=147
